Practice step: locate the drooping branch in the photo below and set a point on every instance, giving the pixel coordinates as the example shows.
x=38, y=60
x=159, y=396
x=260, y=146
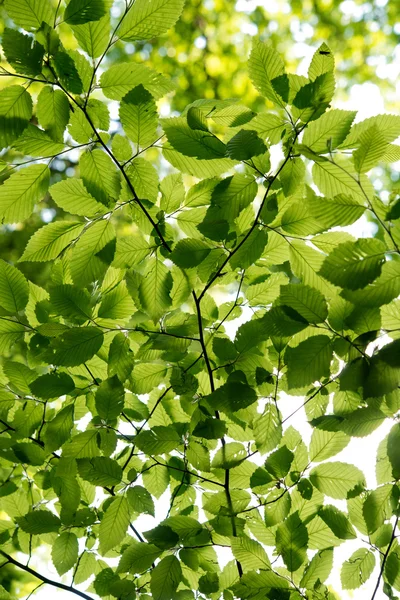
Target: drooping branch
x=384, y=559
x=57, y=584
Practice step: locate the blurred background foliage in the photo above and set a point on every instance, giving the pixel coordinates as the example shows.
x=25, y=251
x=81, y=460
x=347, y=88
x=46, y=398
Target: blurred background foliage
x=206, y=55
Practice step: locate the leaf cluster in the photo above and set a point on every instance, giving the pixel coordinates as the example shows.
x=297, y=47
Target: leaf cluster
x=122, y=393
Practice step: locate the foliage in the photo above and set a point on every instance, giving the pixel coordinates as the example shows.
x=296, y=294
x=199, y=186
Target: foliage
x=122, y=394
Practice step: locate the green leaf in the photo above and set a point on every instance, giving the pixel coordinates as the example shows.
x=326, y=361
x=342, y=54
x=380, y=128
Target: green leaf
x=292, y=176
x=158, y=440
x=363, y=421
x=244, y=145
x=198, y=456
x=337, y=522
x=192, y=142
x=36, y=142
x=82, y=130
x=138, y=116
x=39, y=521
x=15, y=113
x=120, y=358
x=233, y=194
x=100, y=470
x=353, y=265
x=93, y=36
x=210, y=429
x=147, y=376
x=76, y=346
x=269, y=127
x=378, y=507
x=82, y=445
x=305, y=263
x=100, y=177
x=333, y=179
x=173, y=192
x=249, y=553
x=119, y=79
x=53, y=112
x=209, y=583
x=71, y=303
x=144, y=180
x=138, y=557
x=254, y=584
x=327, y=132
x=86, y=567
x=114, y=524
x=250, y=250
x=29, y=14
x=322, y=62
x=29, y=453
x=318, y=569
x=392, y=449
x=165, y=578
x=131, y=250
x=190, y=253
x=72, y=196
x=19, y=375
x=67, y=72
x=381, y=291
x=117, y=305
x=291, y=542
x=325, y=444
x=268, y=429
x=64, y=552
x=337, y=479
x=313, y=98
x=23, y=54
x=85, y=265
x=388, y=126
x=307, y=301
x=52, y=385
x=14, y=290
x=58, y=430
x=309, y=361
x=265, y=67
x=146, y=20
x=110, y=396
x=371, y=149
x=206, y=168
x=162, y=536
x=357, y=569
x=156, y=479
x=82, y=11
x=140, y=500
x=229, y=456
x=21, y=191
x=266, y=292
x=233, y=395
x=392, y=153
x=154, y=291
x=278, y=463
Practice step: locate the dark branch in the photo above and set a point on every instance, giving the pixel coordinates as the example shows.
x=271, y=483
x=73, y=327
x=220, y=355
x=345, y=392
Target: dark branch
x=57, y=584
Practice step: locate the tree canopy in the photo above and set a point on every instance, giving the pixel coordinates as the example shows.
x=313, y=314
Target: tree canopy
x=179, y=265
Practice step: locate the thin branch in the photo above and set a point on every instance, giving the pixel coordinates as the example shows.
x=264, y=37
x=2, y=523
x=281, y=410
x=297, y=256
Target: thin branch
x=385, y=558
x=256, y=220
x=202, y=342
x=57, y=584
x=111, y=155
x=310, y=398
